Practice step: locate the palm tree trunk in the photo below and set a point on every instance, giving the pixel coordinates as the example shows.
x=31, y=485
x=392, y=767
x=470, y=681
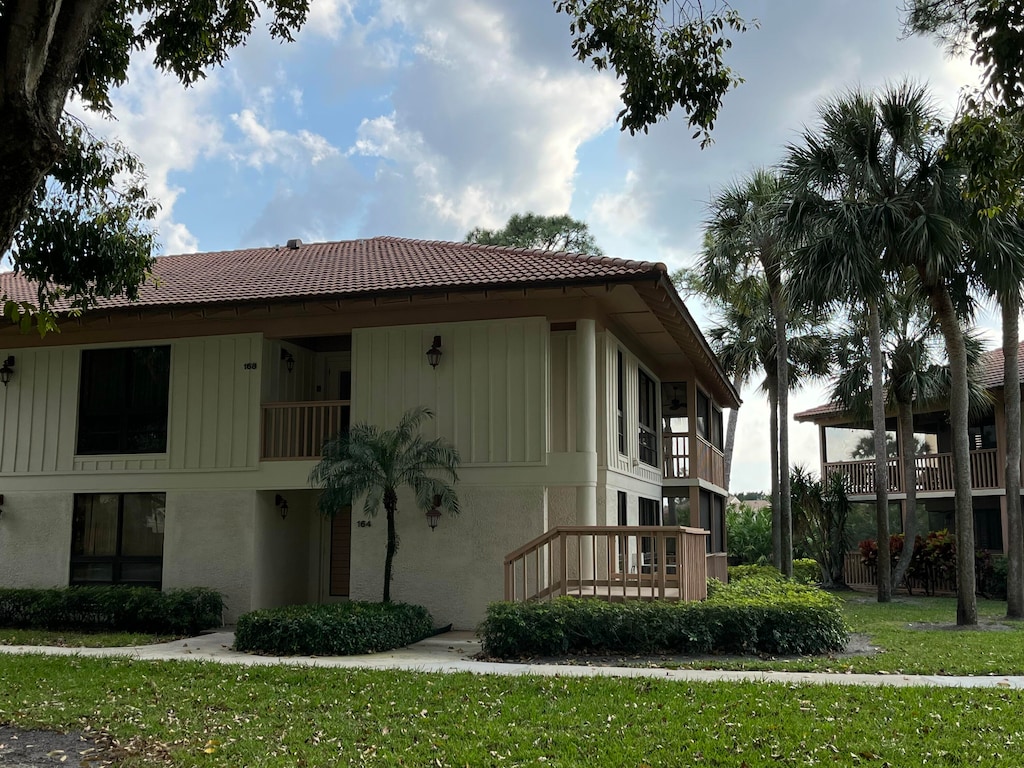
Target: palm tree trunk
x=782, y=368
x=390, y=506
x=881, y=456
x=956, y=351
x=1010, y=306
x=773, y=429
x=730, y=435
x=908, y=458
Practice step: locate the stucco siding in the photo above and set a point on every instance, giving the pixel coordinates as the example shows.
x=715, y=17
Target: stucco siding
x=35, y=539
x=489, y=392
x=457, y=569
x=281, y=551
x=209, y=542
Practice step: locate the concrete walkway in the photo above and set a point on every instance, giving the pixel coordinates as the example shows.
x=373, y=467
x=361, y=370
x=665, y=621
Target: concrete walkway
x=453, y=652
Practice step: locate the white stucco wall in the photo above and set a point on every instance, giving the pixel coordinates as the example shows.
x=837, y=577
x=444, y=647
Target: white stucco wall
x=457, y=569
x=35, y=539
x=209, y=542
x=281, y=565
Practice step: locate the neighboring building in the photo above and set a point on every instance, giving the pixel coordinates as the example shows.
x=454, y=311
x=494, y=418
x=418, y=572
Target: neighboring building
x=846, y=448
x=169, y=441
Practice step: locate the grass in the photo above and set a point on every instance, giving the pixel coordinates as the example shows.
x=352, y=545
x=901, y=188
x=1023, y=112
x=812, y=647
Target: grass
x=79, y=639
x=194, y=713
x=909, y=650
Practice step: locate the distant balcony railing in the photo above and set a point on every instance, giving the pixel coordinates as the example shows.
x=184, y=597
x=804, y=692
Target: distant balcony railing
x=704, y=461
x=933, y=472
x=298, y=430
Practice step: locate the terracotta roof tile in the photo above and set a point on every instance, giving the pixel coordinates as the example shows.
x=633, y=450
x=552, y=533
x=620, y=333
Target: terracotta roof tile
x=990, y=376
x=356, y=267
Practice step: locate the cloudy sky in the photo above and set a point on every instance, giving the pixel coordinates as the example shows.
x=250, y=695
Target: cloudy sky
x=426, y=118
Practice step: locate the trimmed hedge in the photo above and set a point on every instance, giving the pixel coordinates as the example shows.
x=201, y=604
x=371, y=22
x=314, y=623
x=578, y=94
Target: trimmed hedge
x=805, y=571
x=112, y=609
x=342, y=629
x=754, y=615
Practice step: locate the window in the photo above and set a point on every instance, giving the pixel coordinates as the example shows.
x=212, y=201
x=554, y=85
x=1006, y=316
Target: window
x=620, y=403
x=717, y=433
x=122, y=400
x=712, y=518
x=650, y=514
x=118, y=538
x=623, y=509
x=648, y=419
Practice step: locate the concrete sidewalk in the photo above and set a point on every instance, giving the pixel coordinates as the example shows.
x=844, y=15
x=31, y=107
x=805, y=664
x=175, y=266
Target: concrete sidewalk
x=454, y=651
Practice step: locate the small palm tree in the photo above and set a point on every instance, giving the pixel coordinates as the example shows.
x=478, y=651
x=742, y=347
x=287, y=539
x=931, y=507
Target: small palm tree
x=376, y=463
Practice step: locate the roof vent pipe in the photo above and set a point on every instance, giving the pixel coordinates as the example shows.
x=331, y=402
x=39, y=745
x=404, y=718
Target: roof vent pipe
x=294, y=243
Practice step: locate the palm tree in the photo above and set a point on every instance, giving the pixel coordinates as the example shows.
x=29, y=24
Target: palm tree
x=743, y=234
x=378, y=462
x=877, y=200
x=914, y=377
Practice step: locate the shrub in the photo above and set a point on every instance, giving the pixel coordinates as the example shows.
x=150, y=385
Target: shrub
x=806, y=570
x=342, y=629
x=753, y=615
x=750, y=534
x=112, y=609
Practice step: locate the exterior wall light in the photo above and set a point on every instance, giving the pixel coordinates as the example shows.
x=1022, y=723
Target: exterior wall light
x=282, y=504
x=434, y=353
x=434, y=513
x=289, y=361
x=7, y=370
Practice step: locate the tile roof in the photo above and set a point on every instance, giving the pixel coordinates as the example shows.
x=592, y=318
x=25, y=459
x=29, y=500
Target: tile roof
x=989, y=372
x=377, y=265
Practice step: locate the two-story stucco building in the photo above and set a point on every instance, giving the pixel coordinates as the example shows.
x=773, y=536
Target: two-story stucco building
x=169, y=441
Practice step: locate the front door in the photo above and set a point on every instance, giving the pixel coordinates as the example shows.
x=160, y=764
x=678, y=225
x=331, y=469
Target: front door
x=339, y=555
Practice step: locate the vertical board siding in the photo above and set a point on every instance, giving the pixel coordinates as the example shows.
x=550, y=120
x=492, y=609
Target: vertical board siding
x=487, y=393
x=210, y=410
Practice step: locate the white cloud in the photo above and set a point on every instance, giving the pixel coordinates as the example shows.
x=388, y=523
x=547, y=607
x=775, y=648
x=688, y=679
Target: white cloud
x=262, y=146
x=328, y=17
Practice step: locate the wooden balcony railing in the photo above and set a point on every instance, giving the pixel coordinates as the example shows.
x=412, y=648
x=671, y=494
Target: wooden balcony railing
x=934, y=472
x=704, y=461
x=613, y=563
x=299, y=430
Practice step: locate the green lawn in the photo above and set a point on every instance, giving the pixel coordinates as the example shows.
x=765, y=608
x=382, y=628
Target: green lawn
x=216, y=715
x=910, y=650
x=79, y=639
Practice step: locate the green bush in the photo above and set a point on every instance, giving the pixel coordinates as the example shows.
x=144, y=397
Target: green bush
x=112, y=609
x=806, y=570
x=754, y=615
x=750, y=534
x=342, y=629
x=741, y=572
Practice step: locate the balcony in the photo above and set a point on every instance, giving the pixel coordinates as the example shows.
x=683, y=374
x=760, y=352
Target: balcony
x=934, y=472
x=684, y=459
x=298, y=430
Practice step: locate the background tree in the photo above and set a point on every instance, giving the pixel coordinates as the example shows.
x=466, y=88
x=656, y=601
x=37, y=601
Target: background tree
x=821, y=509
x=546, y=233
x=666, y=53
x=50, y=50
x=879, y=201
x=376, y=463
x=743, y=233
x=987, y=139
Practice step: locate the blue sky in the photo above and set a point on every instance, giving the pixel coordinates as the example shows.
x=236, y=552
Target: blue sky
x=426, y=118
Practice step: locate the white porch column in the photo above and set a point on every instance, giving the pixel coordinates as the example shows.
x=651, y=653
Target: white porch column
x=586, y=420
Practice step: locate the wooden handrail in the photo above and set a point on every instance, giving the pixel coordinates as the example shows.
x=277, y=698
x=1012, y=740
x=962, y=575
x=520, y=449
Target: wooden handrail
x=298, y=429
x=610, y=562
x=934, y=471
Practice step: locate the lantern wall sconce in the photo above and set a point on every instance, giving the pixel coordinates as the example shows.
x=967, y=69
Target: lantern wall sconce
x=434, y=353
x=289, y=361
x=7, y=370
x=282, y=504
x=434, y=513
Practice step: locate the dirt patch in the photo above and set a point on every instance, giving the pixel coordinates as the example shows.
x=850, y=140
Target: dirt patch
x=25, y=748
x=983, y=626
